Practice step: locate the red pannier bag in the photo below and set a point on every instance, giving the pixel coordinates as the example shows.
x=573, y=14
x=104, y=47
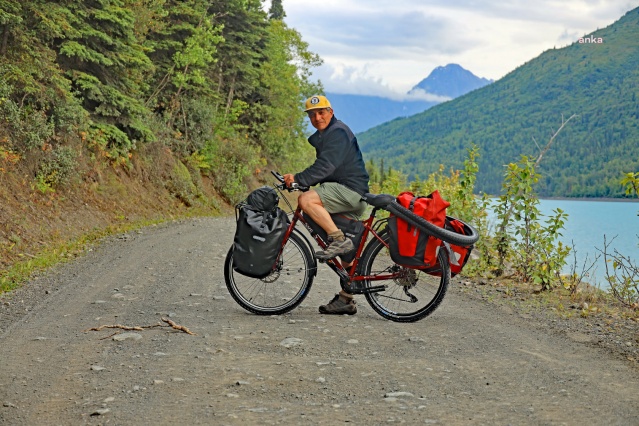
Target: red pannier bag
x=458, y=255
x=409, y=246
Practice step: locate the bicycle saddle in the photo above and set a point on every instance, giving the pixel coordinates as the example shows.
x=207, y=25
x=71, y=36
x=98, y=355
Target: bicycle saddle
x=378, y=200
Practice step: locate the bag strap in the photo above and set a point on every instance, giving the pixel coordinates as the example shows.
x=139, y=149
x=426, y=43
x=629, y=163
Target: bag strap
x=411, y=207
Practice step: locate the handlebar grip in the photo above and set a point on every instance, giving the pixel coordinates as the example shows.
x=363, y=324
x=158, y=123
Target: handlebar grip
x=294, y=186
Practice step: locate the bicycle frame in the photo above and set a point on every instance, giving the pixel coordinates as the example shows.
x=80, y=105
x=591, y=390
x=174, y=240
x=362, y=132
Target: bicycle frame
x=347, y=273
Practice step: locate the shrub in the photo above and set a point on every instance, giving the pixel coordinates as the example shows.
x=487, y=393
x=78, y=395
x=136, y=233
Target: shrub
x=27, y=127
x=181, y=184
x=622, y=273
x=536, y=254
x=57, y=167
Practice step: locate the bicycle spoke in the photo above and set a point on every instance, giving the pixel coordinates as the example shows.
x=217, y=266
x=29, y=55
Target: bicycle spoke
x=395, y=298
x=410, y=294
x=279, y=292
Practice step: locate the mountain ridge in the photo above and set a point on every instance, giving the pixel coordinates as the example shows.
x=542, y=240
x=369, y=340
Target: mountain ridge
x=510, y=117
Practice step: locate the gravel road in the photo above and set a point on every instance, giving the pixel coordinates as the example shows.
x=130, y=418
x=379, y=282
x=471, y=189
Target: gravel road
x=468, y=363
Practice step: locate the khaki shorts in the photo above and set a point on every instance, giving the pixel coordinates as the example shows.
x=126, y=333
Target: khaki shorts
x=337, y=198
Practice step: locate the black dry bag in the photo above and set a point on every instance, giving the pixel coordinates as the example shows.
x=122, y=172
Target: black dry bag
x=261, y=226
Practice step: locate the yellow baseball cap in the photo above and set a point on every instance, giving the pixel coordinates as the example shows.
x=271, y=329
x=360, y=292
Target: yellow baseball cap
x=316, y=102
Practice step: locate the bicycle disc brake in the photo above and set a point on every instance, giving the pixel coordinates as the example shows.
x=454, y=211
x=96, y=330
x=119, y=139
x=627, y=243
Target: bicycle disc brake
x=275, y=275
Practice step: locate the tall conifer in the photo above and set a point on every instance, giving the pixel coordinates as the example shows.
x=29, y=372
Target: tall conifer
x=276, y=11
x=108, y=68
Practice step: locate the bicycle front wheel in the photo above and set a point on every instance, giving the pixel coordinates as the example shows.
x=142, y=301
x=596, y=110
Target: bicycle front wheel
x=410, y=294
x=281, y=291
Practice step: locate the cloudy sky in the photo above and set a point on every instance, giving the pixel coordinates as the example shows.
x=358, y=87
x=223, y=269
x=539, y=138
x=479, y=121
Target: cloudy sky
x=385, y=47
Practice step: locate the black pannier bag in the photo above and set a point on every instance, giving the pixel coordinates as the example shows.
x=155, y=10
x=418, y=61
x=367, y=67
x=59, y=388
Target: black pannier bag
x=352, y=229
x=261, y=226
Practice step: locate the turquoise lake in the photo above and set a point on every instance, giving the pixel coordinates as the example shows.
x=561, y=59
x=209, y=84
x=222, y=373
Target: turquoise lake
x=587, y=224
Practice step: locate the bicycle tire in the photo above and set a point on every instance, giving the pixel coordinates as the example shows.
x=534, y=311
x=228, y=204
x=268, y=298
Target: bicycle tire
x=431, y=229
x=282, y=290
x=395, y=303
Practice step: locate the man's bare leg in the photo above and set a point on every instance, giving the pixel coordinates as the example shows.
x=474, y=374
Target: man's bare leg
x=312, y=205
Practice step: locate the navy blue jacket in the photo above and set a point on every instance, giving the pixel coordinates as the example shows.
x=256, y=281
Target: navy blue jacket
x=338, y=159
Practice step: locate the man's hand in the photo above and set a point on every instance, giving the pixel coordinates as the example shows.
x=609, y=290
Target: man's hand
x=289, y=179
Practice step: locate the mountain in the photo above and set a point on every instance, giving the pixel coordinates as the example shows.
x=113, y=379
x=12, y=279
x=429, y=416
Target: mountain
x=596, y=78
x=362, y=112
x=451, y=81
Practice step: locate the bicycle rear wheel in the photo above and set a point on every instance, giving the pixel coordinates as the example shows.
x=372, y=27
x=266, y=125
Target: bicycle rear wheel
x=282, y=290
x=411, y=294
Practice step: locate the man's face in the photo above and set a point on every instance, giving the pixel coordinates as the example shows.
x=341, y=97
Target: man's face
x=320, y=118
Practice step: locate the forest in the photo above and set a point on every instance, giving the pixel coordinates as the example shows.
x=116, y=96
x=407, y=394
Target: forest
x=218, y=85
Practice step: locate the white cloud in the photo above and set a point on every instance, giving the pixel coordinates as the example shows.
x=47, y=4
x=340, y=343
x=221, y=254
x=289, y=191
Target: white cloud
x=385, y=48
x=354, y=79
x=358, y=80
x=422, y=95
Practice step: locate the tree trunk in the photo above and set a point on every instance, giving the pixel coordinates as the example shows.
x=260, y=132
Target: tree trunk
x=229, y=100
x=5, y=40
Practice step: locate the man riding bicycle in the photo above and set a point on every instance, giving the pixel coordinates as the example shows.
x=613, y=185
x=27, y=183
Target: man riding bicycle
x=342, y=177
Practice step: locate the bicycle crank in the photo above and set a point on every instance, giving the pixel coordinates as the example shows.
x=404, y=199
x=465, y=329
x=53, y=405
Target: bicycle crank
x=358, y=287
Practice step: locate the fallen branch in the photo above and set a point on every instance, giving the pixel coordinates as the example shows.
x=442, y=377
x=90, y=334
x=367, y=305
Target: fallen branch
x=123, y=327
x=178, y=327
x=143, y=327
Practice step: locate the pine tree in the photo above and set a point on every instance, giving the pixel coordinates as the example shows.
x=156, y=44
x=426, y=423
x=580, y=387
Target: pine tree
x=218, y=82
x=38, y=100
x=184, y=48
x=276, y=10
x=108, y=68
x=242, y=53
x=279, y=122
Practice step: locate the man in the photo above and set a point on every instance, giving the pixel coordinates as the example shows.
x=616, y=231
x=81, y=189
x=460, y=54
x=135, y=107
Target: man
x=341, y=174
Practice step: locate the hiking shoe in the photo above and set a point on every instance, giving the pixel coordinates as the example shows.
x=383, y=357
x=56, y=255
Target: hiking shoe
x=338, y=306
x=335, y=248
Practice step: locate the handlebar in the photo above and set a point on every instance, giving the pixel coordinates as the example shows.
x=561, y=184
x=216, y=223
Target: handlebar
x=294, y=186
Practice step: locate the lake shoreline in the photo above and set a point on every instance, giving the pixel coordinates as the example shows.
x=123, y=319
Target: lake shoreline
x=606, y=200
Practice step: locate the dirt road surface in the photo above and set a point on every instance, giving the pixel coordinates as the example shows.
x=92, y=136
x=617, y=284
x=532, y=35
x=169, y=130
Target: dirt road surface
x=468, y=363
